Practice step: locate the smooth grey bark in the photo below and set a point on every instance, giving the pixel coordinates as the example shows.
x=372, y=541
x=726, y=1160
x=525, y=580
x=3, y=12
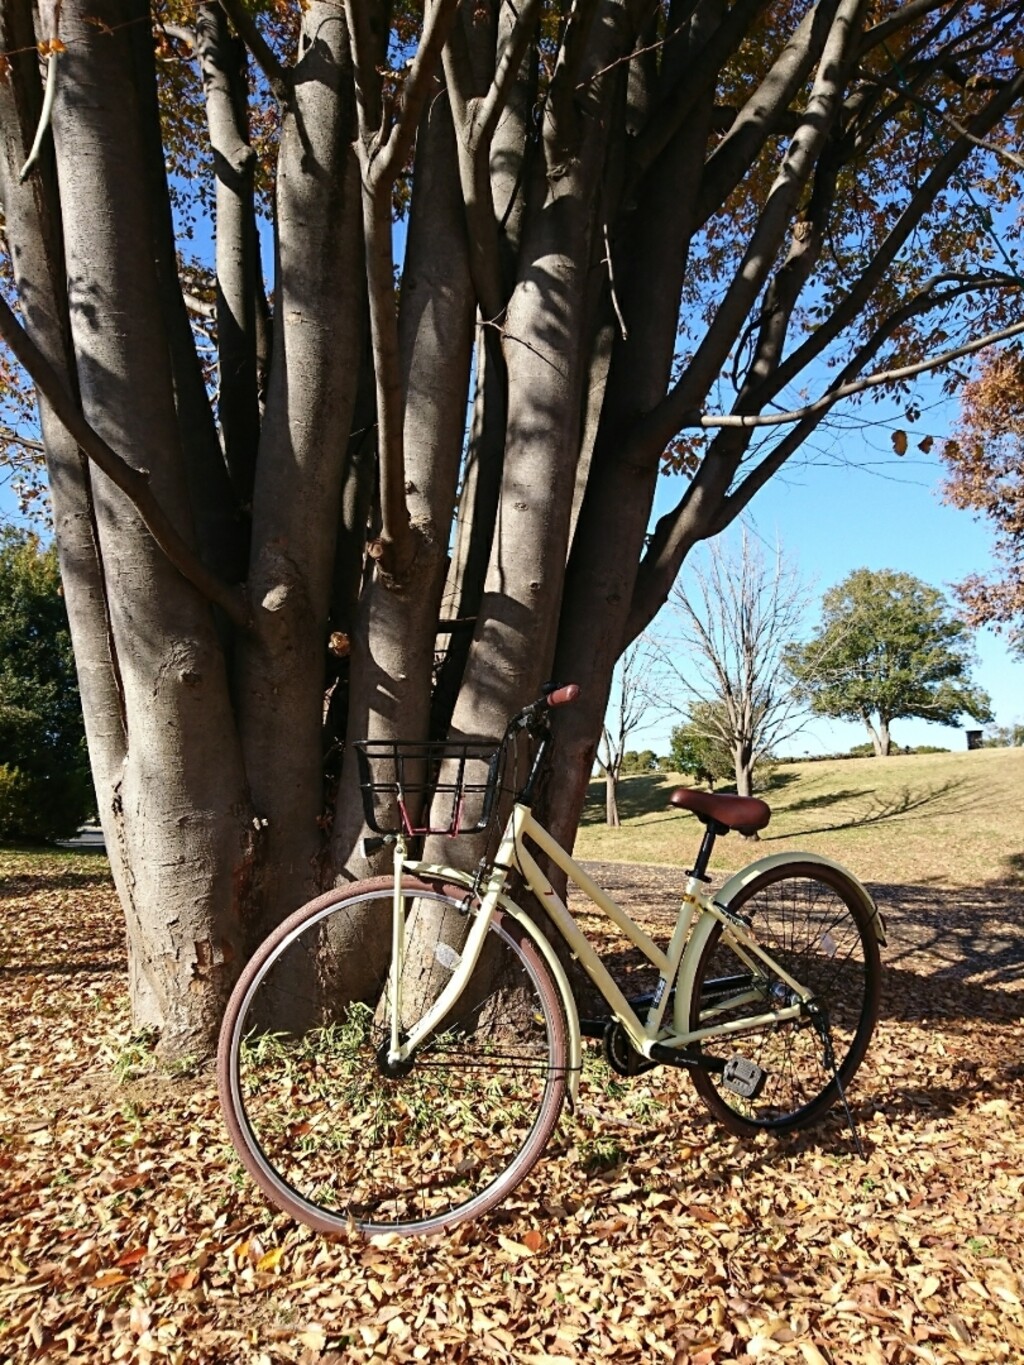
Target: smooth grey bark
x=620, y=490
x=178, y=812
x=33, y=226
x=513, y=645
x=317, y=344
x=220, y=531
x=395, y=636
x=605, y=172
x=223, y=60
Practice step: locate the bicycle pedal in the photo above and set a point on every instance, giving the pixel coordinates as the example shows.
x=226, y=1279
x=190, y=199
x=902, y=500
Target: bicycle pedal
x=744, y=1077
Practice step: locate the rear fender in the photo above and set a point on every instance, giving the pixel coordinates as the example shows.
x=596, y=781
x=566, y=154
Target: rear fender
x=736, y=883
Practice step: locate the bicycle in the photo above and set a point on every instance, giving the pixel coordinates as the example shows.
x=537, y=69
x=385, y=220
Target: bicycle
x=395, y=1056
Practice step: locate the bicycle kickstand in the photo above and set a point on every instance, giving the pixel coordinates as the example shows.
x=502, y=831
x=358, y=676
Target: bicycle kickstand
x=828, y=1061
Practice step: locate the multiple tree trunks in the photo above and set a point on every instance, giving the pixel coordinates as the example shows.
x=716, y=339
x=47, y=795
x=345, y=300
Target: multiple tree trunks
x=323, y=551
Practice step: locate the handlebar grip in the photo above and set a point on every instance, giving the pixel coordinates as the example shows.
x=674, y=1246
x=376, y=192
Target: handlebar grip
x=563, y=695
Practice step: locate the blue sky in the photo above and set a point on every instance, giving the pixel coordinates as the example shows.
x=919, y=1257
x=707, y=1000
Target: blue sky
x=848, y=502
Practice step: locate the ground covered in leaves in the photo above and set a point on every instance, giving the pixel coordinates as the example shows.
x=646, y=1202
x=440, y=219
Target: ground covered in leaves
x=129, y=1232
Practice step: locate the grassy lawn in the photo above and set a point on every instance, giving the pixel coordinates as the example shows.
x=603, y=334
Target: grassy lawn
x=928, y=819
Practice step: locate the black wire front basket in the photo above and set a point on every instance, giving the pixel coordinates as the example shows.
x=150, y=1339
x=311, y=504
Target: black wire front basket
x=432, y=787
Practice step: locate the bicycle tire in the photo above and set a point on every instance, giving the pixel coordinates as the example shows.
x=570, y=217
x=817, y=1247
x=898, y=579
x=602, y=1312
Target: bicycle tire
x=814, y=921
x=331, y=1139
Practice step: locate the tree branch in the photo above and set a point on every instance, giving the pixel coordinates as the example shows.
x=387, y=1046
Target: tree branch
x=44, y=118
x=381, y=157
x=827, y=400
x=847, y=310
x=200, y=307
x=663, y=421
x=278, y=77
x=475, y=123
x=134, y=483
x=435, y=34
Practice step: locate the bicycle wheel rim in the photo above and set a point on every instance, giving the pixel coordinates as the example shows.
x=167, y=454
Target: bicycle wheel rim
x=814, y=921
x=337, y=1144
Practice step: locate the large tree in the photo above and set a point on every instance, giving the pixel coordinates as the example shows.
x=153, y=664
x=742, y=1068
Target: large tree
x=620, y=214
x=888, y=647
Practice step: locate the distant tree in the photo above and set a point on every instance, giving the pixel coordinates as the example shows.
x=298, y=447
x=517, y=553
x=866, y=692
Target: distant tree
x=986, y=475
x=626, y=714
x=633, y=763
x=725, y=656
x=698, y=751
x=45, y=786
x=888, y=648
x=1005, y=736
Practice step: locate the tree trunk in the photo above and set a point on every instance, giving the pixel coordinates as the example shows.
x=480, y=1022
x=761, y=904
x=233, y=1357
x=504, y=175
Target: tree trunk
x=395, y=638
x=33, y=221
x=177, y=811
x=881, y=740
x=611, y=804
x=317, y=346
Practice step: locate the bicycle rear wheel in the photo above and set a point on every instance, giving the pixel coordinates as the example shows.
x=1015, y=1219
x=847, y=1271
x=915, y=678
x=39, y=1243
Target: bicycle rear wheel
x=327, y=1135
x=814, y=922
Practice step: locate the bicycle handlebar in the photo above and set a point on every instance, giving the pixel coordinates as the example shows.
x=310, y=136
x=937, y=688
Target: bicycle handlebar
x=553, y=696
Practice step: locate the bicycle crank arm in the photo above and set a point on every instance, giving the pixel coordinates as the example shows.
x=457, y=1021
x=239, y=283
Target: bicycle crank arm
x=739, y=1074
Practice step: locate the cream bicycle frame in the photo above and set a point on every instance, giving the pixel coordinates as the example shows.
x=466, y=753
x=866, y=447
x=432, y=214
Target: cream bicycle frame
x=678, y=964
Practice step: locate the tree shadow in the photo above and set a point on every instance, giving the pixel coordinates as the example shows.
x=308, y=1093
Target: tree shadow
x=948, y=798
x=822, y=800
x=952, y=953
x=25, y=883
x=643, y=794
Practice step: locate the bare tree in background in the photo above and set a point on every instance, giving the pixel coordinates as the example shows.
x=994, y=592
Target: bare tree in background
x=626, y=714
x=733, y=623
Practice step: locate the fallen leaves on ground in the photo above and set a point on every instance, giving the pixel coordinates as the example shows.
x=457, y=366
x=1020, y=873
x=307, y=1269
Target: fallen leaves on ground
x=128, y=1231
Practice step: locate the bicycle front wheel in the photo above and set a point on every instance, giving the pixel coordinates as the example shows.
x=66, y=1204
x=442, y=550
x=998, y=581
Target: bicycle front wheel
x=814, y=922
x=325, y=1132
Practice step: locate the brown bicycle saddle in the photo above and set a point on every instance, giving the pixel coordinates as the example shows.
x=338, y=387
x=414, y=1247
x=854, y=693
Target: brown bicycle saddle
x=743, y=813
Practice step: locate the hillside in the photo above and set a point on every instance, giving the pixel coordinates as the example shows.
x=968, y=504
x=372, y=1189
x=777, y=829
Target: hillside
x=940, y=819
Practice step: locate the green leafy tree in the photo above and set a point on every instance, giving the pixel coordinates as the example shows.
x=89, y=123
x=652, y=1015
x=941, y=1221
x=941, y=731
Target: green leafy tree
x=888, y=648
x=646, y=761
x=45, y=787
x=698, y=750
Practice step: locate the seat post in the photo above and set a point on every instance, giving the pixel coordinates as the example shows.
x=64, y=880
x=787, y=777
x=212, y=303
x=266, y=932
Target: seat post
x=711, y=831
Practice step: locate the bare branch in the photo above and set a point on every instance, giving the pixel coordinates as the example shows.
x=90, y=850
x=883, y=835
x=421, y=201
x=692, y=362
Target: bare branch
x=134, y=483
x=893, y=376
x=435, y=33
x=44, y=118
x=623, y=330
x=1003, y=152
x=278, y=77
x=15, y=438
x=200, y=307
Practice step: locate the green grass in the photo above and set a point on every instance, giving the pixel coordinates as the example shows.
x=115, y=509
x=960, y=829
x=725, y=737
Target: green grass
x=944, y=819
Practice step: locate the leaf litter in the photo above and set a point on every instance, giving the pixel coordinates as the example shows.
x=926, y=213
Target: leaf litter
x=131, y=1233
